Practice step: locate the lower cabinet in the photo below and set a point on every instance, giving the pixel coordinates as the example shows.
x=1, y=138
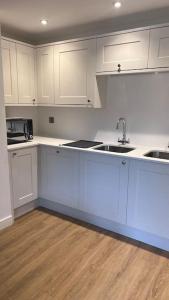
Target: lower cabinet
x=104, y=182
x=126, y=191
x=59, y=176
x=148, y=199
x=92, y=183
x=23, y=170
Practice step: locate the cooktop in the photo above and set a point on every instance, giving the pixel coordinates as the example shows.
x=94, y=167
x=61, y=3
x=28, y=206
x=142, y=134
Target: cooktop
x=82, y=144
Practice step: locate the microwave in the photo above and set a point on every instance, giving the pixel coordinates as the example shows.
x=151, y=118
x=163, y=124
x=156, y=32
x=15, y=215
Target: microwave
x=19, y=130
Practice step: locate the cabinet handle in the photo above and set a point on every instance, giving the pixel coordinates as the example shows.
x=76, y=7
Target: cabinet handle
x=14, y=154
x=88, y=100
x=119, y=68
x=57, y=151
x=123, y=162
x=34, y=101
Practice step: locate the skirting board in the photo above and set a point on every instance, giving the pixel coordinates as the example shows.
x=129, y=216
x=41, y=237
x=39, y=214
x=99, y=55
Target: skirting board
x=124, y=230
x=8, y=221
x=18, y=212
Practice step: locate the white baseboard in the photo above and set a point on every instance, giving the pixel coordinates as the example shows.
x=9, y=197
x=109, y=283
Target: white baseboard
x=20, y=211
x=145, y=237
x=8, y=221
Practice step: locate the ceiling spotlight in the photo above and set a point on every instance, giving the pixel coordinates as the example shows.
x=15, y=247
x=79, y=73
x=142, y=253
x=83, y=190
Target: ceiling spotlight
x=44, y=22
x=117, y=4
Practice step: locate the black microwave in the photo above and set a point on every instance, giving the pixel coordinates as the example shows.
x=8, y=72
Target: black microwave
x=19, y=130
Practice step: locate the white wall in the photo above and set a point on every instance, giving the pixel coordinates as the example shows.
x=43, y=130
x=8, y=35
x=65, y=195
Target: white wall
x=5, y=201
x=143, y=99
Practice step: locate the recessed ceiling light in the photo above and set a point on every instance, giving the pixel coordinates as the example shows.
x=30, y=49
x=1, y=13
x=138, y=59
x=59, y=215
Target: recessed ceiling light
x=44, y=22
x=117, y=4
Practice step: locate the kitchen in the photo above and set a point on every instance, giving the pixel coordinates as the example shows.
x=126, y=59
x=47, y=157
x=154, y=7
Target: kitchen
x=90, y=158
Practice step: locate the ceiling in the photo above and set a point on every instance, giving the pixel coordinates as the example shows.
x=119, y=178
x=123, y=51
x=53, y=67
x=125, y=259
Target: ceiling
x=70, y=18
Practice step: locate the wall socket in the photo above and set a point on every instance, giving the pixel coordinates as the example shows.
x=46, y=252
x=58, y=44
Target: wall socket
x=51, y=120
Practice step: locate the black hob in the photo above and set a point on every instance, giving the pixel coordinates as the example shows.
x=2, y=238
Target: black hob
x=83, y=144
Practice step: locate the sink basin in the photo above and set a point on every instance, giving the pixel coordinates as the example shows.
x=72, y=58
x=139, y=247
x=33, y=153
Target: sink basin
x=117, y=149
x=158, y=154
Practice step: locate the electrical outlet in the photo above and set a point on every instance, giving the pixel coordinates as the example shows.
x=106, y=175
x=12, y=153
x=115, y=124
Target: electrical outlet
x=51, y=120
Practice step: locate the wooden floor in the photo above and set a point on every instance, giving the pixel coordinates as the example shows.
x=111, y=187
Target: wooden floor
x=45, y=256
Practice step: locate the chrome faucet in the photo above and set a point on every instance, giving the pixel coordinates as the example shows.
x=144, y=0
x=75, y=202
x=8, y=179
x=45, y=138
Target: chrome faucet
x=124, y=139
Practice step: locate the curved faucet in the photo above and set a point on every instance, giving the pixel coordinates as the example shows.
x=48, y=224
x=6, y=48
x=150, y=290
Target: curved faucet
x=124, y=139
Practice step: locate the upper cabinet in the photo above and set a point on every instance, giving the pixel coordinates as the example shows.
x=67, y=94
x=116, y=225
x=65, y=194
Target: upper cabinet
x=159, y=48
x=71, y=73
x=8, y=50
x=45, y=75
x=75, y=70
x=128, y=51
x=18, y=63
x=26, y=74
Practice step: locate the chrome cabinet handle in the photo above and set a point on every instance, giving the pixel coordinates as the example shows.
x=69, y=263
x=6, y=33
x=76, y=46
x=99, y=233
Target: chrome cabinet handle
x=123, y=162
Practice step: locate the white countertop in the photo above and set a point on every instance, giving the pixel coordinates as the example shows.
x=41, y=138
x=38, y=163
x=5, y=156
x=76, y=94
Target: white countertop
x=138, y=153
x=39, y=140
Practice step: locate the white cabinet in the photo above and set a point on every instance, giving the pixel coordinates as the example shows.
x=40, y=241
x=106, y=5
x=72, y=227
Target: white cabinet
x=75, y=69
x=148, y=200
x=128, y=51
x=104, y=181
x=23, y=169
x=9, y=71
x=45, y=75
x=159, y=48
x=26, y=74
x=18, y=73
x=59, y=176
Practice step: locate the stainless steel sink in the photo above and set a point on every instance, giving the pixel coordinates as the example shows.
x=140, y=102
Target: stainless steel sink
x=117, y=149
x=158, y=154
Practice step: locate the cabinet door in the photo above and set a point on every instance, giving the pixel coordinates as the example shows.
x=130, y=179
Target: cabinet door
x=104, y=186
x=45, y=71
x=26, y=74
x=148, y=202
x=75, y=73
x=23, y=164
x=60, y=176
x=129, y=50
x=159, y=48
x=9, y=72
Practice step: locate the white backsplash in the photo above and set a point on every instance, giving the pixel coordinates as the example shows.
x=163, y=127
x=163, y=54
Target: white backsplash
x=143, y=99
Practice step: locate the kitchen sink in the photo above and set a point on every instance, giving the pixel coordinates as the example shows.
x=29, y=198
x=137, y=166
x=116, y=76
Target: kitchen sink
x=158, y=154
x=117, y=149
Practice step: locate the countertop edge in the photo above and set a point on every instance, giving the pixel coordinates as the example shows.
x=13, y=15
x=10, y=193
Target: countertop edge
x=137, y=154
